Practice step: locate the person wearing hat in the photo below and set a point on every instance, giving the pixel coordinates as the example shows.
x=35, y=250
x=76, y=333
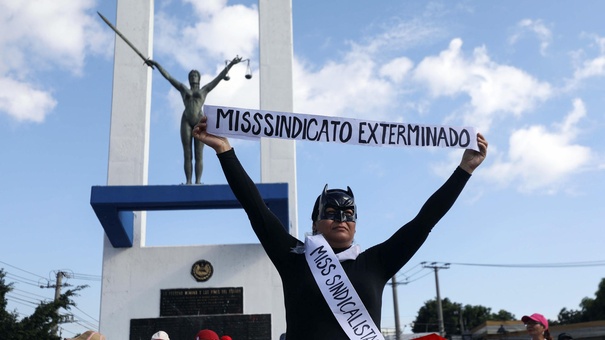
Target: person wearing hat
x=206, y=334
x=89, y=335
x=160, y=335
x=565, y=336
x=333, y=290
x=537, y=326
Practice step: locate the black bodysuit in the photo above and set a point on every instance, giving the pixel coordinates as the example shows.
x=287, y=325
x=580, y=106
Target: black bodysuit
x=307, y=314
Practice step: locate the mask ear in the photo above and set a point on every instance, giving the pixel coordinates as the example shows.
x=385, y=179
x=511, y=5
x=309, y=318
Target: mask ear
x=324, y=194
x=323, y=198
x=350, y=192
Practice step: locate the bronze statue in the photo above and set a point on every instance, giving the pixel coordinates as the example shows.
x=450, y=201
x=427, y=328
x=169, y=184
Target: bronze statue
x=194, y=99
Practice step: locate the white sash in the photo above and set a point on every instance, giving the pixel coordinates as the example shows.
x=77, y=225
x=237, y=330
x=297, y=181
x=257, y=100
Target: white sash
x=338, y=291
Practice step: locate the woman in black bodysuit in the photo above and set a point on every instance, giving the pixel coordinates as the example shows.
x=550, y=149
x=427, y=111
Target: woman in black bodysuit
x=307, y=314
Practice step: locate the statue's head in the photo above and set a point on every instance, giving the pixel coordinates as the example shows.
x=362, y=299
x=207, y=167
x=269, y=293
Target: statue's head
x=194, y=77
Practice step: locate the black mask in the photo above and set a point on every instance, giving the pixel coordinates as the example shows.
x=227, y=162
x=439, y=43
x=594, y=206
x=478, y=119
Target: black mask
x=339, y=200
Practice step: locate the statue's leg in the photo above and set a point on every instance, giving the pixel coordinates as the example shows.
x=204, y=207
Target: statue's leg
x=199, y=161
x=187, y=152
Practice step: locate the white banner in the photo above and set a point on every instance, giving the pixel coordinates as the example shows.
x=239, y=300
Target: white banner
x=254, y=124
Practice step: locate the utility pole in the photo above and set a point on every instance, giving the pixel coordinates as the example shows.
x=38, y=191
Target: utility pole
x=396, y=308
x=394, y=283
x=436, y=268
x=57, y=286
x=462, y=330
x=60, y=275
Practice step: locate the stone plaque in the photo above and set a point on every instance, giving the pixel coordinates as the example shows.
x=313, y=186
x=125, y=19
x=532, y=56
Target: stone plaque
x=201, y=301
x=250, y=327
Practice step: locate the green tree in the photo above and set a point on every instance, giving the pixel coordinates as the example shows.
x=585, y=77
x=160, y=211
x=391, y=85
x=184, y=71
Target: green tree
x=594, y=309
x=8, y=320
x=428, y=320
x=568, y=316
x=590, y=309
x=473, y=316
x=456, y=318
x=39, y=325
x=503, y=316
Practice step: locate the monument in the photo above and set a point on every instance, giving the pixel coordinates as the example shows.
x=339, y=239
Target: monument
x=232, y=289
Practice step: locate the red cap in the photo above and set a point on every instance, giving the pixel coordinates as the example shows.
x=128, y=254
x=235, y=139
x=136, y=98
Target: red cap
x=537, y=318
x=206, y=334
x=226, y=337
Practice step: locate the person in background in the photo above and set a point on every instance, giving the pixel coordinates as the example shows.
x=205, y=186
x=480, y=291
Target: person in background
x=160, y=335
x=89, y=335
x=537, y=326
x=206, y=334
x=565, y=336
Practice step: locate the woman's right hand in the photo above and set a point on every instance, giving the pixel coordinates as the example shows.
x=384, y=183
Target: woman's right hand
x=218, y=143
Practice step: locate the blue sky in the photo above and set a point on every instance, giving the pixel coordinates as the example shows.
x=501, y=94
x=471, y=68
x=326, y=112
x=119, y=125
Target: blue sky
x=529, y=75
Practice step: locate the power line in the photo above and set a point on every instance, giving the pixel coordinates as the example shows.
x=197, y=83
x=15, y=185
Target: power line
x=410, y=276
x=76, y=307
x=80, y=321
x=24, y=296
x=21, y=279
x=23, y=270
x=30, y=293
x=409, y=270
x=536, y=265
x=410, y=281
x=89, y=277
x=22, y=301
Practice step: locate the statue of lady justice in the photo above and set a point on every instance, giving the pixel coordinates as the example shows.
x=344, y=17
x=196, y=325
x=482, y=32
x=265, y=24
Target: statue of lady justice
x=193, y=98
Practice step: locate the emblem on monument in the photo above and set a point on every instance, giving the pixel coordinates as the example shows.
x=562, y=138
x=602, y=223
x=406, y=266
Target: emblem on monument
x=202, y=271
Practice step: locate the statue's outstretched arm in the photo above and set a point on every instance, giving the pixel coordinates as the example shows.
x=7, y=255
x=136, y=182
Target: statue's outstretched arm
x=211, y=85
x=177, y=84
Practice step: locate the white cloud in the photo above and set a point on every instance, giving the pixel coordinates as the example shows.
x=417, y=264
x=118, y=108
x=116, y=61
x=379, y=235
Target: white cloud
x=541, y=159
x=23, y=102
x=397, y=69
x=492, y=88
x=351, y=88
x=446, y=74
x=218, y=33
x=585, y=67
x=207, y=7
x=400, y=34
x=592, y=67
x=50, y=32
x=38, y=36
x=536, y=27
x=363, y=83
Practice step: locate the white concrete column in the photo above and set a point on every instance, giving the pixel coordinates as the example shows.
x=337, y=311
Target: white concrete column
x=131, y=101
x=128, y=150
x=278, y=157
